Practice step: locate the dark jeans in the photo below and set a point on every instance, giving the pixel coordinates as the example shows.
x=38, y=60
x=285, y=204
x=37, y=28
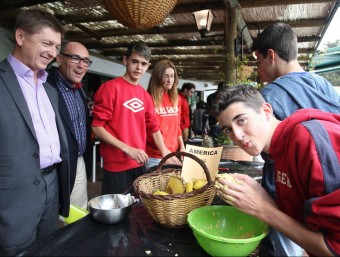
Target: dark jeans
x=121, y=182
x=198, y=132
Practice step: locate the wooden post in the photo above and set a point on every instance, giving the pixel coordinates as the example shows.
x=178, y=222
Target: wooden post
x=230, y=36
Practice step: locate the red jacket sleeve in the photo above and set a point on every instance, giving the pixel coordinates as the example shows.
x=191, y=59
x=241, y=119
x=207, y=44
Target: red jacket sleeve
x=179, y=116
x=185, y=114
x=103, y=107
x=150, y=115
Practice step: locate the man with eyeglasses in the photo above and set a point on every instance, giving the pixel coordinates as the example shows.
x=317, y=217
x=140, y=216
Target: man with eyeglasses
x=187, y=91
x=73, y=60
x=123, y=116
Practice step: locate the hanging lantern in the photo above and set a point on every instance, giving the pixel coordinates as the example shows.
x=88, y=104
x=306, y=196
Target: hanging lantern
x=140, y=14
x=203, y=20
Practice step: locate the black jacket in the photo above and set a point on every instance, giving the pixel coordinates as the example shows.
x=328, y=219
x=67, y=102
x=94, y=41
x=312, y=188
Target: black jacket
x=70, y=133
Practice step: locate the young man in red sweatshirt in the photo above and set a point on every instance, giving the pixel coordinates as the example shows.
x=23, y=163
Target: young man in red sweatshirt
x=123, y=114
x=187, y=91
x=305, y=147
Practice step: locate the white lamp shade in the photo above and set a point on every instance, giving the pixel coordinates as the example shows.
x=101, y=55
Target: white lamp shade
x=203, y=19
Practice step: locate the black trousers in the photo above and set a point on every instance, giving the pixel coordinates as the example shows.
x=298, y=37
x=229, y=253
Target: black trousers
x=121, y=182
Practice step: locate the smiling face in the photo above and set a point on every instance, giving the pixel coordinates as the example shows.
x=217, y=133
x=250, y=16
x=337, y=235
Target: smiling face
x=37, y=50
x=169, y=78
x=248, y=129
x=73, y=72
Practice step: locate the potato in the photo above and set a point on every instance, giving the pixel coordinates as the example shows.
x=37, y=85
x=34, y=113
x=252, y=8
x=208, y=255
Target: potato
x=227, y=177
x=199, y=183
x=175, y=185
x=159, y=192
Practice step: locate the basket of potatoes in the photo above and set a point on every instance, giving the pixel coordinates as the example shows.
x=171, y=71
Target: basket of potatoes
x=168, y=198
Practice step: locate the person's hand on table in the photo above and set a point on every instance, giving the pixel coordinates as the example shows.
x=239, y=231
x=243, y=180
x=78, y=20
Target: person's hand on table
x=247, y=195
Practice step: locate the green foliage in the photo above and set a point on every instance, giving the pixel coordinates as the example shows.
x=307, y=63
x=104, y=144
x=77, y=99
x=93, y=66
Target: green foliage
x=331, y=73
x=222, y=139
x=207, y=141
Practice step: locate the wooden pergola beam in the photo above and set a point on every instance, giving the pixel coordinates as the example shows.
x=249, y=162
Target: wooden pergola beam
x=177, y=43
x=217, y=28
x=187, y=52
x=16, y=4
x=263, y=3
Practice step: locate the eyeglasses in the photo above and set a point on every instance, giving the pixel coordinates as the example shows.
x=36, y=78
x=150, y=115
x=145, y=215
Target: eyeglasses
x=76, y=59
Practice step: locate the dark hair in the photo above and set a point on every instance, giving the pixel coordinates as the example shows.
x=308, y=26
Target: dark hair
x=33, y=20
x=220, y=85
x=246, y=94
x=281, y=38
x=200, y=105
x=188, y=86
x=140, y=48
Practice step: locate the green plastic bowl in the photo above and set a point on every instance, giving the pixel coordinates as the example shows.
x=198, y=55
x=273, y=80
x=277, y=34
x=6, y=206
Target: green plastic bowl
x=226, y=231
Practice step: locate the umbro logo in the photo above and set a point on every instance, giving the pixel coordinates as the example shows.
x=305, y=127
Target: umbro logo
x=134, y=105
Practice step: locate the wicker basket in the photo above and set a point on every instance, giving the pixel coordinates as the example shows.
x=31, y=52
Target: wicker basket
x=140, y=14
x=172, y=210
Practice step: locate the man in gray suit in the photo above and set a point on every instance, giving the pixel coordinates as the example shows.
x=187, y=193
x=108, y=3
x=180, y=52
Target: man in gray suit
x=33, y=148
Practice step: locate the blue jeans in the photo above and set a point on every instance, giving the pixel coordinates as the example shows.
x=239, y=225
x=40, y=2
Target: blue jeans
x=152, y=162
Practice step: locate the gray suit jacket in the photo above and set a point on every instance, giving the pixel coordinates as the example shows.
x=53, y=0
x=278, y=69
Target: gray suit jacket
x=20, y=172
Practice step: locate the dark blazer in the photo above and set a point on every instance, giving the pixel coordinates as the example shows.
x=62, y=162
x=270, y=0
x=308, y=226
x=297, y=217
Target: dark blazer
x=70, y=132
x=20, y=172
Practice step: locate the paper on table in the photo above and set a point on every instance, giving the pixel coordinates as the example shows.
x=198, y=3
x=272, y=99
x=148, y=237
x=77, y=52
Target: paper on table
x=211, y=156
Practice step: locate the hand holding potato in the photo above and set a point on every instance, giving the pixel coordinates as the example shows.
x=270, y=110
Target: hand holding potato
x=242, y=192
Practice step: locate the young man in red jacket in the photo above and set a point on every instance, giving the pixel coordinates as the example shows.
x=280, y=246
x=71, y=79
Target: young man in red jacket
x=305, y=147
x=289, y=88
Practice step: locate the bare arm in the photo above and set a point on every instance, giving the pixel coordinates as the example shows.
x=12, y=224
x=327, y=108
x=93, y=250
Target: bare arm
x=137, y=154
x=158, y=139
x=310, y=241
x=251, y=198
x=181, y=144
